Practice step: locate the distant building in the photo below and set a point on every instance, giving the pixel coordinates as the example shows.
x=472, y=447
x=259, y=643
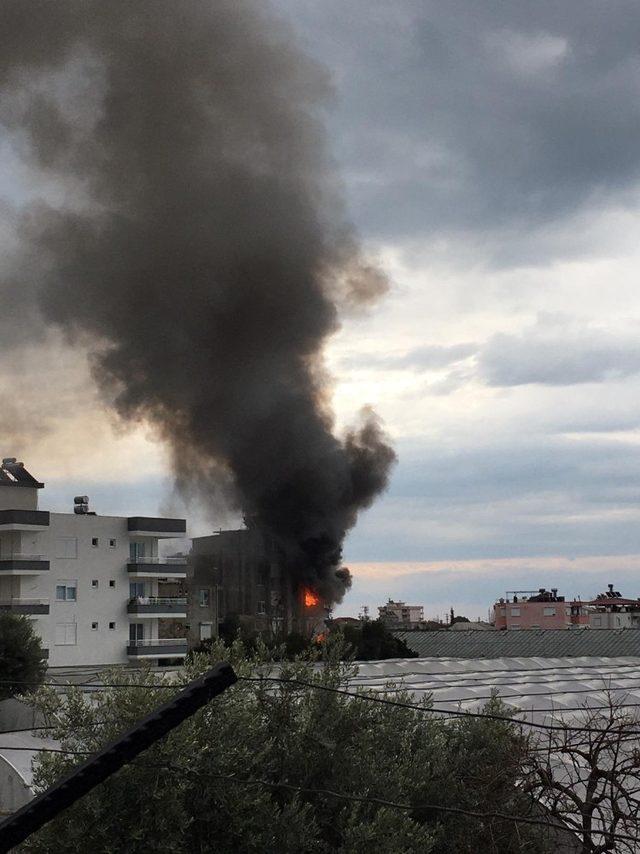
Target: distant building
x=610, y=610
x=538, y=609
x=95, y=588
x=399, y=614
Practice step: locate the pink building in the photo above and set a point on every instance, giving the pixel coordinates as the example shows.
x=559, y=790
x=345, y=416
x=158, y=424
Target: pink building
x=538, y=609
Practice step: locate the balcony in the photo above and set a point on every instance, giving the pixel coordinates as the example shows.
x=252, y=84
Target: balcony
x=157, y=567
x=24, y=520
x=157, y=648
x=24, y=606
x=23, y=564
x=154, y=606
x=146, y=526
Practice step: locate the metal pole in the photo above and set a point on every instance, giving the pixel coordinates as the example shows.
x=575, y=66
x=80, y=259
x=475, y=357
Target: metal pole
x=111, y=758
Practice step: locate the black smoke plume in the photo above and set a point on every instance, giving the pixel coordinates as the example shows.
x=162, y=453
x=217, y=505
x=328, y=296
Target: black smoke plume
x=199, y=246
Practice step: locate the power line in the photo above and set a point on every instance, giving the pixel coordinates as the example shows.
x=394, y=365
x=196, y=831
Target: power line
x=387, y=701
x=425, y=709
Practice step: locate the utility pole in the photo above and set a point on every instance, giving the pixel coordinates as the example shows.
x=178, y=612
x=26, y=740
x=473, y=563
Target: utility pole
x=111, y=758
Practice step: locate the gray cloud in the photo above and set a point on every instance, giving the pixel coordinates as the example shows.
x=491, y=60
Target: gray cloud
x=426, y=358
x=480, y=116
x=517, y=497
x=558, y=355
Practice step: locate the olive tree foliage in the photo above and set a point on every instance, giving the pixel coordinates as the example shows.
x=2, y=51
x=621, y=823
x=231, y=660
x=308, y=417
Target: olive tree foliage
x=22, y=663
x=281, y=767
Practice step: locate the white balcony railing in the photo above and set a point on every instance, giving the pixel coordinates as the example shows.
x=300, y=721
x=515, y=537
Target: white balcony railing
x=179, y=561
x=158, y=600
x=159, y=642
x=22, y=556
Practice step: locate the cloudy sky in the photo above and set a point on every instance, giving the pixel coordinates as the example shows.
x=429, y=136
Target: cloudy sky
x=490, y=154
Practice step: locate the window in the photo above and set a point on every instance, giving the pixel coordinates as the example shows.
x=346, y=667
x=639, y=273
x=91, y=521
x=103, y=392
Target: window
x=204, y=597
x=95, y=542
x=112, y=626
x=66, y=634
x=66, y=591
x=136, y=551
x=567, y=612
x=205, y=631
x=597, y=621
x=549, y=612
x=94, y=627
x=66, y=547
x=136, y=589
x=112, y=582
x=112, y=544
x=94, y=583
x=262, y=607
x=515, y=612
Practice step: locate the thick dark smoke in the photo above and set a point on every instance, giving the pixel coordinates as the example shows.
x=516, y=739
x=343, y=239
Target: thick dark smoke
x=200, y=246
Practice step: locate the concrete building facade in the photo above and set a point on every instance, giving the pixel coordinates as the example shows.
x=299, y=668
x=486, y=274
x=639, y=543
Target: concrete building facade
x=538, y=609
x=611, y=610
x=94, y=587
x=400, y=614
x=240, y=574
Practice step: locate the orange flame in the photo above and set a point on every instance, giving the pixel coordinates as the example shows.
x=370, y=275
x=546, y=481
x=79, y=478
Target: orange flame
x=311, y=599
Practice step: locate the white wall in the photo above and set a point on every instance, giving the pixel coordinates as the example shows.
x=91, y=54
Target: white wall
x=18, y=498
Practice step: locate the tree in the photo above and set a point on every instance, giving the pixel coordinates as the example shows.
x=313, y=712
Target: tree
x=272, y=767
x=372, y=640
x=588, y=774
x=22, y=662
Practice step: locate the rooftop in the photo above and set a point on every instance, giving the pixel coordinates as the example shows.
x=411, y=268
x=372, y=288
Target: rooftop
x=13, y=473
x=546, y=643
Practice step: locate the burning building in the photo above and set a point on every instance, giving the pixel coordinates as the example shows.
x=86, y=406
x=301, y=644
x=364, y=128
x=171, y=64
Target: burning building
x=242, y=574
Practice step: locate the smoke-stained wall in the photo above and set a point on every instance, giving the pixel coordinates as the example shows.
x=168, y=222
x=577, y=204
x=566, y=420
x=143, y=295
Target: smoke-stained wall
x=198, y=247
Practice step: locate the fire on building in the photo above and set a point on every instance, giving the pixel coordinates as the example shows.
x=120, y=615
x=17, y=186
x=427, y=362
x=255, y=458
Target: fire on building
x=240, y=574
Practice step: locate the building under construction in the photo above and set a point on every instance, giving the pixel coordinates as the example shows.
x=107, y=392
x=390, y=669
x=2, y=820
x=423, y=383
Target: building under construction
x=240, y=574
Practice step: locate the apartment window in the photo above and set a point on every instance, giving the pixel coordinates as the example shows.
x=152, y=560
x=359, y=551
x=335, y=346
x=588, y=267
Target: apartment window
x=94, y=627
x=66, y=591
x=136, y=551
x=66, y=634
x=66, y=547
x=112, y=582
x=515, y=612
x=95, y=542
x=112, y=626
x=112, y=544
x=94, y=583
x=549, y=612
x=262, y=607
x=205, y=631
x=204, y=597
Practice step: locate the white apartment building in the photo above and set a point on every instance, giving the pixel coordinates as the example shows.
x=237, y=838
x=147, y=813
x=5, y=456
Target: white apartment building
x=92, y=585
x=400, y=612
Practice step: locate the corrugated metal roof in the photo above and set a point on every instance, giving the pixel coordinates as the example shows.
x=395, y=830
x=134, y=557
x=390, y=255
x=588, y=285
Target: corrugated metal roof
x=543, y=687
x=545, y=643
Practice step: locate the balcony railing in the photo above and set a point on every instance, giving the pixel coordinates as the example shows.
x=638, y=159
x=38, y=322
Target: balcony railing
x=25, y=606
x=157, y=648
x=23, y=564
x=153, y=606
x=24, y=519
x=147, y=642
x=158, y=566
